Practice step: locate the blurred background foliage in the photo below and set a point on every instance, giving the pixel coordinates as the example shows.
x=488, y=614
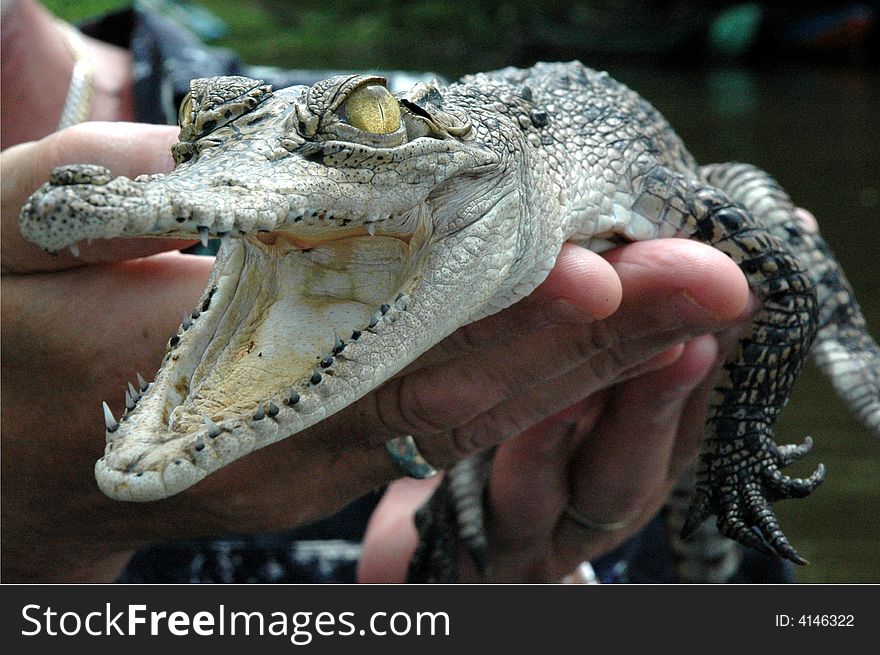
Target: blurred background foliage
x=452, y=38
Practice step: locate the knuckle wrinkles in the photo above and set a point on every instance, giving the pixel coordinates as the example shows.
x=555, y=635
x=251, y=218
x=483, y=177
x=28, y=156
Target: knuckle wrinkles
x=463, y=442
x=602, y=367
x=463, y=341
x=417, y=409
x=490, y=428
x=605, y=352
x=600, y=336
x=386, y=403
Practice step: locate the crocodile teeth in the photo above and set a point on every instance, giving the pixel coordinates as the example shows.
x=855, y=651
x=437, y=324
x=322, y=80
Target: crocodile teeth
x=109, y=421
x=74, y=250
x=141, y=382
x=135, y=396
x=213, y=428
x=203, y=235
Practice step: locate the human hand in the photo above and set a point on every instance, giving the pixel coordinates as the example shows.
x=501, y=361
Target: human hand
x=613, y=456
x=74, y=331
x=125, y=148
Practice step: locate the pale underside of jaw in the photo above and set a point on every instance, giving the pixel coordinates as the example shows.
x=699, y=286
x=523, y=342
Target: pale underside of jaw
x=282, y=337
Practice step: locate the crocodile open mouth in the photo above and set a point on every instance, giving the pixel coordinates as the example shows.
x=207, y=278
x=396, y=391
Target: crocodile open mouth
x=286, y=333
x=281, y=314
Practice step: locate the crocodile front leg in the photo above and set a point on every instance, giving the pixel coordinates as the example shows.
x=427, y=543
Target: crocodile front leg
x=843, y=347
x=740, y=470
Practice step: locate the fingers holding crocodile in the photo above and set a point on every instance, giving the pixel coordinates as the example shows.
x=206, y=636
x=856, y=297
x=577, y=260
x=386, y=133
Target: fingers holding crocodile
x=677, y=291
x=582, y=287
x=606, y=469
x=599, y=456
x=644, y=436
x=125, y=148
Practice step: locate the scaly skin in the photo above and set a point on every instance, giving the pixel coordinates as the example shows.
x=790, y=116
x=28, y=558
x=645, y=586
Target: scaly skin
x=358, y=230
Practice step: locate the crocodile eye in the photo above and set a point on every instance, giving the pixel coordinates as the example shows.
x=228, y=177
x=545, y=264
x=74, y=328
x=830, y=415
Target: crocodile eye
x=373, y=109
x=184, y=114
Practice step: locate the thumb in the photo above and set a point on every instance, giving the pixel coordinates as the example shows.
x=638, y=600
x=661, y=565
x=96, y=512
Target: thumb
x=128, y=149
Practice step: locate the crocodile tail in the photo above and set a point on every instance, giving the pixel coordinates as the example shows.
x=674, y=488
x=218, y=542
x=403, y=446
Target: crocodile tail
x=842, y=348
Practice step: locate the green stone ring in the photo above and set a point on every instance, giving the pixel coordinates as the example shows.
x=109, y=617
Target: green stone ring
x=409, y=460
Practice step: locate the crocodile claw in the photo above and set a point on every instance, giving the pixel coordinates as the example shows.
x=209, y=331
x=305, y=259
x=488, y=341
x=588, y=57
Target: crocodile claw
x=739, y=491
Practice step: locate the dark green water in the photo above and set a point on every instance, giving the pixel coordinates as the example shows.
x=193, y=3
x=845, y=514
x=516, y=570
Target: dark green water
x=818, y=133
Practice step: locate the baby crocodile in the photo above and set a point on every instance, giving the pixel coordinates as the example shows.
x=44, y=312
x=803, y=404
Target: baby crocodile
x=360, y=228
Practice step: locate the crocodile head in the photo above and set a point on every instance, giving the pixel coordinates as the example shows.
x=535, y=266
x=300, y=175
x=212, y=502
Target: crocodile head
x=358, y=229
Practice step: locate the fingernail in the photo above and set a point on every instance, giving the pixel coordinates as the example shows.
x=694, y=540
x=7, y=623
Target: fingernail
x=706, y=312
x=666, y=358
x=563, y=311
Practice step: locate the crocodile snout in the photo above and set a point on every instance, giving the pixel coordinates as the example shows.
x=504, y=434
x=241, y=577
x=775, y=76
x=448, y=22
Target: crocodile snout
x=80, y=174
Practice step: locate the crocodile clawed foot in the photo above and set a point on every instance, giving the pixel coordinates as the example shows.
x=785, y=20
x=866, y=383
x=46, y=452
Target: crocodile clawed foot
x=452, y=521
x=740, y=491
x=436, y=556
